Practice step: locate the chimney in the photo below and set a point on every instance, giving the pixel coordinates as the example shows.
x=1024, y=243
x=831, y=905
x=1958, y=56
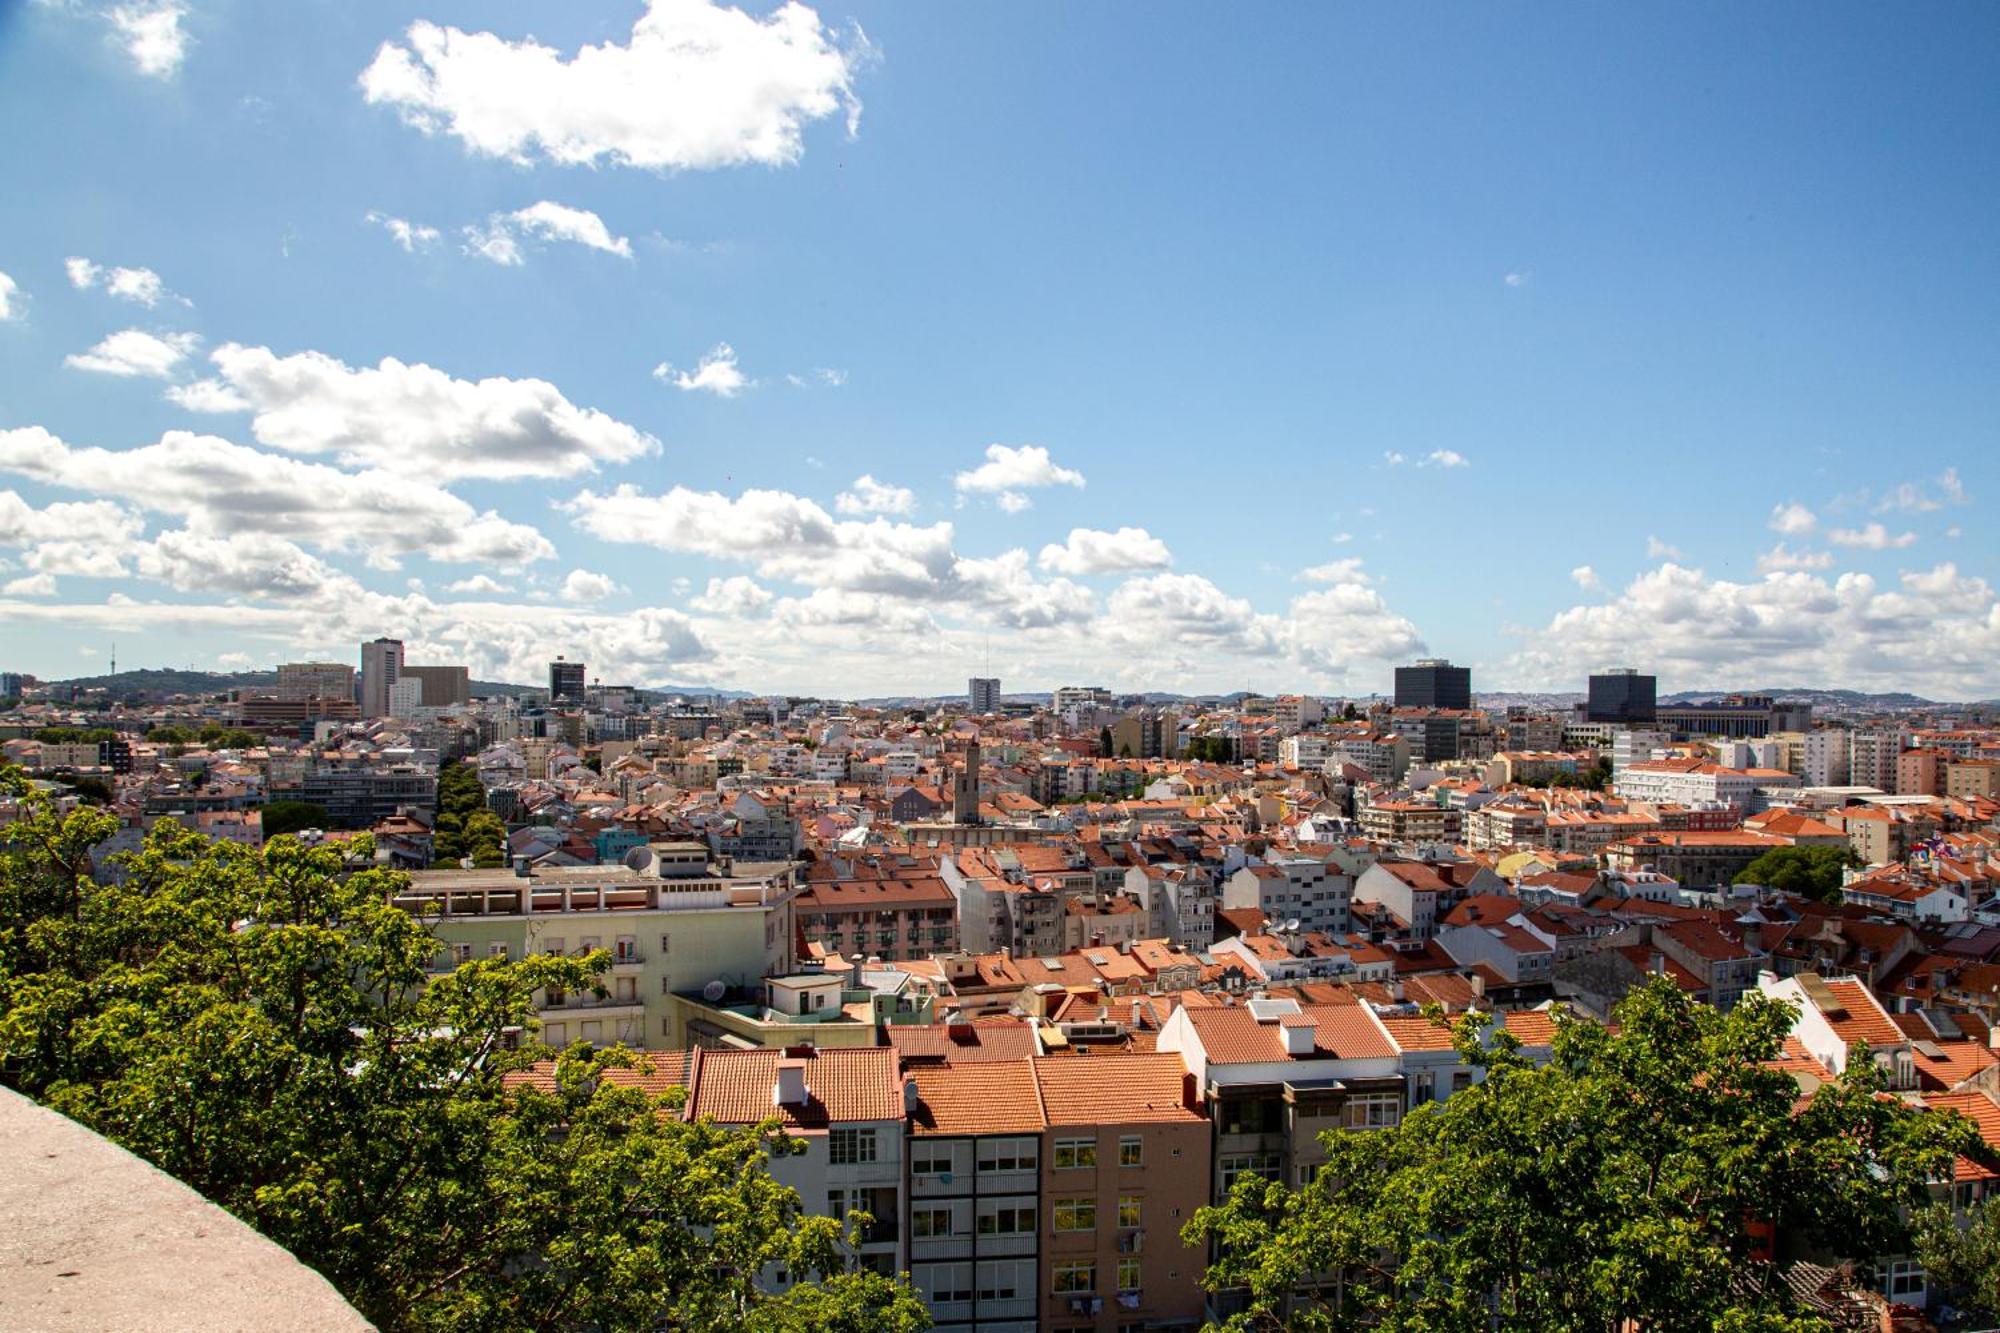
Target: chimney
x=912, y=1099
x=1753, y=936
x=791, y=1090
x=1301, y=1033
x=1656, y=963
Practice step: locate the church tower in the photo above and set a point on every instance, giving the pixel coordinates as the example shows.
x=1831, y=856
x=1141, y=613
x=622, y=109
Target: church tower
x=965, y=788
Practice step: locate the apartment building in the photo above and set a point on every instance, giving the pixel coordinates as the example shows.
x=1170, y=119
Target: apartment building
x=1294, y=888
x=671, y=921
x=1698, y=860
x=893, y=918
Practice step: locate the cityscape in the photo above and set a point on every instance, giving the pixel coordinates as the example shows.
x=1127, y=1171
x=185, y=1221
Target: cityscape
x=803, y=668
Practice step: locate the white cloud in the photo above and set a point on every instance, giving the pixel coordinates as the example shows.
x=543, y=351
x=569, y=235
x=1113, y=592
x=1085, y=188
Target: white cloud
x=717, y=373
x=478, y=584
x=1092, y=551
x=1934, y=631
x=1009, y=471
x=11, y=299
x=1792, y=519
x=1871, y=537
x=697, y=86
x=420, y=421
x=583, y=585
x=1659, y=550
x=1586, y=578
x=222, y=488
x=1916, y=497
x=31, y=585
x=736, y=595
x=493, y=242
x=210, y=396
x=1393, y=458
x=412, y=236
x=97, y=522
x=1782, y=558
x=558, y=222
x=1447, y=458
x=869, y=496
x=1519, y=278
x=131, y=352
x=1347, y=569
x=1342, y=538
x=152, y=35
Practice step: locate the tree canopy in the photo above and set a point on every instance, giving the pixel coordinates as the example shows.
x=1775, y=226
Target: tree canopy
x=267, y=1027
x=1628, y=1179
x=465, y=827
x=280, y=817
x=1812, y=871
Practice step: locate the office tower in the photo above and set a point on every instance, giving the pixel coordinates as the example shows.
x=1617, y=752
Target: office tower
x=381, y=668
x=315, y=680
x=443, y=685
x=565, y=682
x=1621, y=695
x=982, y=694
x=1433, y=683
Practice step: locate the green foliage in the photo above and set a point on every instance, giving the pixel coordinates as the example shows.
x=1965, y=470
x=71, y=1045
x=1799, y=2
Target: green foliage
x=1210, y=749
x=465, y=827
x=93, y=789
x=213, y=735
x=75, y=735
x=1617, y=1183
x=280, y=817
x=1595, y=778
x=1962, y=1262
x=264, y=1026
x=1104, y=742
x=1812, y=871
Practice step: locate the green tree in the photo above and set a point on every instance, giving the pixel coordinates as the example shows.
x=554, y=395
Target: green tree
x=1812, y=871
x=93, y=789
x=1104, y=742
x=280, y=817
x=267, y=1027
x=1619, y=1185
x=1962, y=1261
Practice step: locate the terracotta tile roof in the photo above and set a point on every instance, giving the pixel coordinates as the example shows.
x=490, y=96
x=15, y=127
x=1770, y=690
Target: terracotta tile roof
x=963, y=1043
x=1115, y=1090
x=1413, y=1032
x=1534, y=1027
x=668, y=1069
x=1982, y=1111
x=996, y=1097
x=1864, y=1020
x=739, y=1087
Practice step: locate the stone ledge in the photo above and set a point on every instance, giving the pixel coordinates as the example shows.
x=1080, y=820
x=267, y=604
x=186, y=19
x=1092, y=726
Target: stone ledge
x=95, y=1238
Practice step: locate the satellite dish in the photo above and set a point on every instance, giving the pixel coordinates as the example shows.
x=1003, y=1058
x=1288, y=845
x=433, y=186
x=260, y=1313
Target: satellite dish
x=714, y=991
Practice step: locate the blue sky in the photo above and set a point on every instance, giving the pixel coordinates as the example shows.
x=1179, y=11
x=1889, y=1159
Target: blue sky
x=1308, y=339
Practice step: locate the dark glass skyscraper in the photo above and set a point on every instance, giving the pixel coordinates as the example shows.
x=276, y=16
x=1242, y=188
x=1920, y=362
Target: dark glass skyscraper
x=1621, y=695
x=565, y=681
x=1433, y=683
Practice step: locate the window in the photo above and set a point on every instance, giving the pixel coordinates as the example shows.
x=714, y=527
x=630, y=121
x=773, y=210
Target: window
x=1128, y=1275
x=553, y=947
x=497, y=951
x=1006, y=1280
x=1073, y=1154
x=1008, y=1220
x=1374, y=1110
x=1131, y=1150
x=1076, y=1214
x=930, y=1159
x=942, y=1284
x=1128, y=1210
x=1008, y=1155
x=1461, y=1079
x=1074, y=1277
x=593, y=1032
x=930, y=1222
x=1236, y=1164
x=627, y=989
x=666, y=1025
x=850, y=1147
x=591, y=943
x=1905, y=1278
x=666, y=943
x=666, y=985
x=555, y=1034
x=461, y=953
x=628, y=949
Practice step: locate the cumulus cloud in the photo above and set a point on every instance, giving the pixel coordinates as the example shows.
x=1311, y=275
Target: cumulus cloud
x=421, y=421
x=139, y=285
x=583, y=585
x=1936, y=631
x=152, y=35
x=1009, y=472
x=134, y=352
x=96, y=522
x=1586, y=578
x=1659, y=550
x=479, y=585
x=210, y=396
x=869, y=496
x=12, y=302
x=696, y=86
x=717, y=373
x=222, y=488
x=1871, y=537
x=412, y=236
x=733, y=596
x=31, y=585
x=1792, y=519
x=1093, y=551
x=1518, y=278
x=499, y=240
x=1916, y=497
x=1446, y=458
x=1781, y=558
x=1345, y=570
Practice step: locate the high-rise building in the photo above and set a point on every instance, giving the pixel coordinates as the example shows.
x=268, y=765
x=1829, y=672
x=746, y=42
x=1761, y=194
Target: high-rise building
x=443, y=685
x=1433, y=683
x=315, y=680
x=1621, y=695
x=381, y=668
x=982, y=694
x=565, y=681
x=965, y=788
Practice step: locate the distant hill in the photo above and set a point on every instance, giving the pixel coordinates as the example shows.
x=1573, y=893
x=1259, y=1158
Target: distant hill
x=1818, y=698
x=161, y=682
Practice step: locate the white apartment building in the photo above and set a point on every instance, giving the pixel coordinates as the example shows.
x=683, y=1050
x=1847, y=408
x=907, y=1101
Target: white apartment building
x=1694, y=782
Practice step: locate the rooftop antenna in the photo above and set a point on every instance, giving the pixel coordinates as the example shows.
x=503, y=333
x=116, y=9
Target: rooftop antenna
x=114, y=657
